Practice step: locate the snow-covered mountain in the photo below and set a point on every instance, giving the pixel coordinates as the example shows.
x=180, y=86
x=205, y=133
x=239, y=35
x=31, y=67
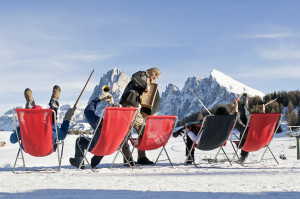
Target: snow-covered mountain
x=116, y=80
x=217, y=89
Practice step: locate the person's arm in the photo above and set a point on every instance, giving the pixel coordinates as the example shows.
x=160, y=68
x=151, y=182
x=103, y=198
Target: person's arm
x=140, y=80
x=63, y=130
x=13, y=137
x=89, y=113
x=239, y=125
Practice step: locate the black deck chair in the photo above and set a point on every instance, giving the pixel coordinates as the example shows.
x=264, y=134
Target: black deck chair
x=214, y=133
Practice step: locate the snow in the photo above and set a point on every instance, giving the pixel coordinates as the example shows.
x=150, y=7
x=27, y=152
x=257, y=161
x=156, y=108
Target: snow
x=233, y=85
x=217, y=180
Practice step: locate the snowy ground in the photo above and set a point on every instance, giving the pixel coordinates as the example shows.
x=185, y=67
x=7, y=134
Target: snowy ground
x=264, y=180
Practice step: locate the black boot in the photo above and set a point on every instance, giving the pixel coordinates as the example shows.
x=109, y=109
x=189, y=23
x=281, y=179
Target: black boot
x=144, y=161
x=244, y=155
x=74, y=163
x=95, y=160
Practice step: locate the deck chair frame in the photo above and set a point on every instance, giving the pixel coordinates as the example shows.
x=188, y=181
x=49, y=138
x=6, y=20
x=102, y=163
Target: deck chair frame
x=200, y=134
x=20, y=151
x=134, y=141
x=120, y=147
x=236, y=149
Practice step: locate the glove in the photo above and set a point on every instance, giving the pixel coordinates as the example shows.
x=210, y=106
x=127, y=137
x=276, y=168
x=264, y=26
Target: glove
x=106, y=97
x=69, y=114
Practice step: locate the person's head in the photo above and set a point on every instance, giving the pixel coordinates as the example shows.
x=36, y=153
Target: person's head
x=153, y=73
x=245, y=97
x=221, y=111
x=261, y=108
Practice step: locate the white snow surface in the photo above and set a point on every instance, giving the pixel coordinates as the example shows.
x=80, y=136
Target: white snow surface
x=265, y=180
x=233, y=85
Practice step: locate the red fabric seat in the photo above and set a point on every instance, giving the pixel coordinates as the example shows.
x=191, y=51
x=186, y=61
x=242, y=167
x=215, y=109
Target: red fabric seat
x=115, y=127
x=158, y=129
x=36, y=131
x=261, y=131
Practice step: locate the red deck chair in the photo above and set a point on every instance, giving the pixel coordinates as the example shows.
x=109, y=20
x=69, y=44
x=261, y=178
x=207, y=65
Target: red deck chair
x=261, y=130
x=36, y=134
x=115, y=130
x=158, y=130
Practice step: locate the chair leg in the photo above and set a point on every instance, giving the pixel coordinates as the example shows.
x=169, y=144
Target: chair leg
x=226, y=155
x=159, y=155
x=235, y=151
x=16, y=161
x=167, y=156
x=163, y=148
x=267, y=147
x=58, y=157
x=84, y=158
x=215, y=158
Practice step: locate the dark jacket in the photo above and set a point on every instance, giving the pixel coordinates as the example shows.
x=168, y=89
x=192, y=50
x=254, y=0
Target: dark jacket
x=134, y=89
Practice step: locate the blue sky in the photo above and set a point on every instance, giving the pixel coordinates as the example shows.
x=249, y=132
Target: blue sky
x=43, y=43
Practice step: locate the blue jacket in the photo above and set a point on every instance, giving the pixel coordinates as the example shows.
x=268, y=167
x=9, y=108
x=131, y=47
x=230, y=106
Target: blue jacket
x=62, y=133
x=93, y=119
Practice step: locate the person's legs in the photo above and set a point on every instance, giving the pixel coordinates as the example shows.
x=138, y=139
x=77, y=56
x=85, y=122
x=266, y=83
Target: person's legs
x=54, y=101
x=95, y=160
x=138, y=125
x=81, y=145
x=189, y=144
x=29, y=98
x=244, y=155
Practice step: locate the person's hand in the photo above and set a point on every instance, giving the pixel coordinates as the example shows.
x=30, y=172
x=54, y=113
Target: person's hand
x=147, y=89
x=186, y=128
x=236, y=105
x=107, y=97
x=69, y=114
x=262, y=108
x=177, y=133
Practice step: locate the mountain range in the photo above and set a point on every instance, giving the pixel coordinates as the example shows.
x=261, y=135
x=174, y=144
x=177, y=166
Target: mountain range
x=214, y=90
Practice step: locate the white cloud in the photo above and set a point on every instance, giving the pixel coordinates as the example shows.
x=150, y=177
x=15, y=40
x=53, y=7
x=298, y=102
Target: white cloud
x=274, y=35
x=271, y=73
x=284, y=51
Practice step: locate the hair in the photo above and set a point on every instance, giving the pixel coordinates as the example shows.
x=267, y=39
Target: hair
x=154, y=70
x=221, y=111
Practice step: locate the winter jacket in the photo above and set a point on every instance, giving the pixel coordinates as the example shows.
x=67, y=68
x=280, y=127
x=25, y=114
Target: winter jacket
x=93, y=119
x=62, y=133
x=134, y=90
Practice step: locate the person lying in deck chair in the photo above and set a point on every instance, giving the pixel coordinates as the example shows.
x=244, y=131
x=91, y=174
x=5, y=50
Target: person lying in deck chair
x=54, y=105
x=82, y=142
x=193, y=130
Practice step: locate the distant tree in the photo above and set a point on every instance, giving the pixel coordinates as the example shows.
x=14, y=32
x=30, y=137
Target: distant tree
x=274, y=95
x=292, y=118
x=281, y=107
x=290, y=107
x=298, y=123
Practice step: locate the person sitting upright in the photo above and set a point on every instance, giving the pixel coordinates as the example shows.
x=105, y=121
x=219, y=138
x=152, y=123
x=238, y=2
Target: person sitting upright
x=82, y=142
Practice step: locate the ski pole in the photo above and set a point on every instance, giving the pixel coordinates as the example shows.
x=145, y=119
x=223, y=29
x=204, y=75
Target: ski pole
x=83, y=89
x=200, y=101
